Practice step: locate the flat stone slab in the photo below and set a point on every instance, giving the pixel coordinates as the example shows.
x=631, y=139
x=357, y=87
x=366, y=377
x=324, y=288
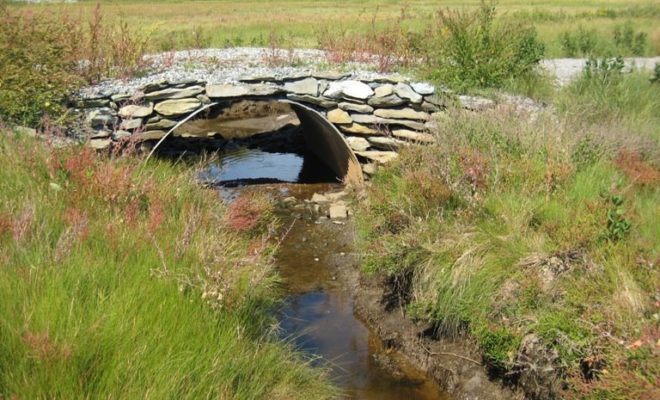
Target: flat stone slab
x=92, y=103
x=339, y=116
x=257, y=79
x=374, y=120
x=161, y=124
x=100, y=134
x=380, y=157
x=386, y=143
x=319, y=101
x=330, y=75
x=435, y=99
x=119, y=97
x=349, y=89
x=174, y=93
x=406, y=92
x=384, y=90
x=120, y=134
x=430, y=107
x=422, y=88
x=405, y=113
x=99, y=144
x=357, y=143
x=130, y=124
x=390, y=79
x=135, y=111
x=358, y=129
x=414, y=136
x=226, y=91
x=370, y=168
x=338, y=211
x=360, y=108
x=101, y=117
x=391, y=100
x=149, y=135
x=265, y=90
x=154, y=86
x=307, y=86
x=169, y=108
x=296, y=77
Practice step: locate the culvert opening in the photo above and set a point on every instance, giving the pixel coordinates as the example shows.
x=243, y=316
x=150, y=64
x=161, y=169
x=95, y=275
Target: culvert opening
x=255, y=142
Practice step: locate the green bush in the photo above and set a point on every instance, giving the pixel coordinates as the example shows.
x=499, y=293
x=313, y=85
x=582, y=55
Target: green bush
x=472, y=51
x=656, y=74
x=588, y=43
x=628, y=41
x=44, y=56
x=582, y=42
x=36, y=65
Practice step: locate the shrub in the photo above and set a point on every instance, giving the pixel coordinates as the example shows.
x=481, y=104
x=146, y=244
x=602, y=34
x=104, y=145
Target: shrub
x=580, y=43
x=617, y=225
x=45, y=56
x=656, y=74
x=472, y=51
x=629, y=41
x=588, y=43
x=37, y=64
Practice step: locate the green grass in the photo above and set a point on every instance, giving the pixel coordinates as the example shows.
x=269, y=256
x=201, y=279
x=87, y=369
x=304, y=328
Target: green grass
x=181, y=25
x=117, y=282
x=514, y=227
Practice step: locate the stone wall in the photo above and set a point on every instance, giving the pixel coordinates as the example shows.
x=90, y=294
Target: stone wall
x=376, y=117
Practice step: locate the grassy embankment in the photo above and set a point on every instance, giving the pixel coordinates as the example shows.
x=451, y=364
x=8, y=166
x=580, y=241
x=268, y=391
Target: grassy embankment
x=122, y=282
x=514, y=229
x=284, y=23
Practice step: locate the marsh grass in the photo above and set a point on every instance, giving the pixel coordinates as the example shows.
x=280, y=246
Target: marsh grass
x=516, y=227
x=119, y=282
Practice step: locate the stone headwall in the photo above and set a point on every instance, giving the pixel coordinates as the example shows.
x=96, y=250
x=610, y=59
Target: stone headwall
x=377, y=116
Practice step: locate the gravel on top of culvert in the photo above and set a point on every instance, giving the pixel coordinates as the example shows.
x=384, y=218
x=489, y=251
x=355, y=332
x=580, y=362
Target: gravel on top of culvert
x=229, y=65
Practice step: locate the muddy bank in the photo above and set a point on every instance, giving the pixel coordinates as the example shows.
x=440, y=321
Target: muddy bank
x=455, y=364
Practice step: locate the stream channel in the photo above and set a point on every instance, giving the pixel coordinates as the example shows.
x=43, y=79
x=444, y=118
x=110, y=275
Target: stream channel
x=316, y=258
x=317, y=262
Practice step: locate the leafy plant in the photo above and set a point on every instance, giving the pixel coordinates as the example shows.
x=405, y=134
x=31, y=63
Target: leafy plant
x=605, y=69
x=629, y=41
x=44, y=56
x=473, y=51
x=617, y=224
x=582, y=42
x=656, y=74
x=586, y=152
x=499, y=345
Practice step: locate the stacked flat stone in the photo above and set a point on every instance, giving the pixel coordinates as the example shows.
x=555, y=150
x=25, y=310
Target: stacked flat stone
x=377, y=117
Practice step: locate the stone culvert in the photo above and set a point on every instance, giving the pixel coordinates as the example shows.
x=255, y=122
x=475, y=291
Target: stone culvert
x=374, y=117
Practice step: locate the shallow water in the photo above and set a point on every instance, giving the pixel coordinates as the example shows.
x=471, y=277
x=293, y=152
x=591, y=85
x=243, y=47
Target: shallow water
x=318, y=314
x=251, y=164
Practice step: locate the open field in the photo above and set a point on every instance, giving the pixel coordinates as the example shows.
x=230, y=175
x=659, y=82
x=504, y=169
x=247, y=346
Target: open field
x=179, y=25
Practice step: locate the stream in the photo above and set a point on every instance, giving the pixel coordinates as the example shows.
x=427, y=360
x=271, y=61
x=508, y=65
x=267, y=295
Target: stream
x=318, y=264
